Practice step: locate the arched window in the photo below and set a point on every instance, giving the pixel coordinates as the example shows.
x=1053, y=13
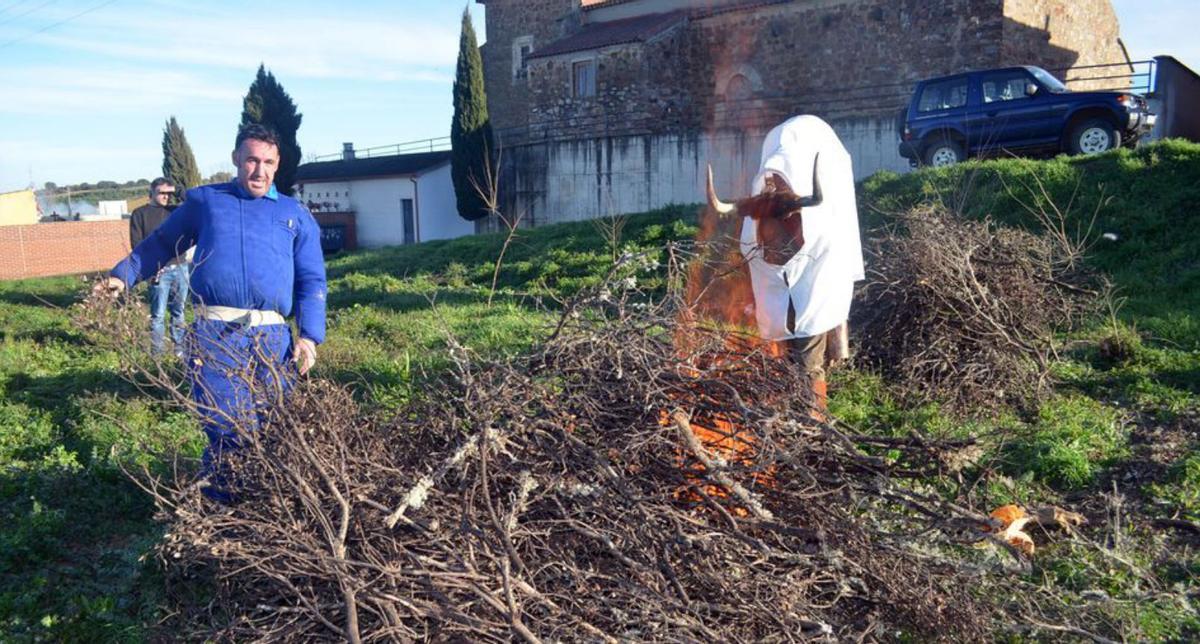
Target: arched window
x=740, y=83
x=738, y=88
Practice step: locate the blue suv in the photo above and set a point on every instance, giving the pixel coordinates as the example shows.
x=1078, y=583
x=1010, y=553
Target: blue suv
x=1017, y=109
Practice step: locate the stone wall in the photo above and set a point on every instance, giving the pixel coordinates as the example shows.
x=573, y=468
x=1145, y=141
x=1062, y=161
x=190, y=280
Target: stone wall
x=1057, y=34
x=834, y=58
x=507, y=20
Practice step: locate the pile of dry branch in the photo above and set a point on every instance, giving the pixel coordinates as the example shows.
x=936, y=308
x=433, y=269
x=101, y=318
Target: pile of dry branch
x=564, y=496
x=965, y=311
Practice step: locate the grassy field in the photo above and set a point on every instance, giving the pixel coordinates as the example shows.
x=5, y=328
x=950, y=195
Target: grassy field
x=1118, y=435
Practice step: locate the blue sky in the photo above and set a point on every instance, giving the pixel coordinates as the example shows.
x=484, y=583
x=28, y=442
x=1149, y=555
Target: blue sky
x=86, y=85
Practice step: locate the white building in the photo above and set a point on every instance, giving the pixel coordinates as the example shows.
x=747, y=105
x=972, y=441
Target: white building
x=111, y=209
x=398, y=199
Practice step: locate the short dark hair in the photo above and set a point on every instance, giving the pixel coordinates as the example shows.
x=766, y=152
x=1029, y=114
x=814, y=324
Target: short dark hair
x=256, y=132
x=161, y=181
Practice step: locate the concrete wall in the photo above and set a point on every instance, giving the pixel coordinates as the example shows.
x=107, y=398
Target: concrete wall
x=573, y=180
x=1176, y=100
x=437, y=210
x=64, y=248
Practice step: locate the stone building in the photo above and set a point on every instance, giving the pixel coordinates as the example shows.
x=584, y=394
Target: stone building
x=615, y=106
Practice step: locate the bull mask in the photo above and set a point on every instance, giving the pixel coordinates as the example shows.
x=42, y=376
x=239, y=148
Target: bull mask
x=755, y=207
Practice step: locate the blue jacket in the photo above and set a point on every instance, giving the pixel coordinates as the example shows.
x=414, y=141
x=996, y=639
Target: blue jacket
x=251, y=253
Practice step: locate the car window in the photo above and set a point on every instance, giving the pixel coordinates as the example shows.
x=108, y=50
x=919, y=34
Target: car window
x=1050, y=82
x=943, y=95
x=1004, y=86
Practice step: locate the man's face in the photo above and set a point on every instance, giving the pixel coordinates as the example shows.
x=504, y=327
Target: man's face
x=162, y=195
x=256, y=163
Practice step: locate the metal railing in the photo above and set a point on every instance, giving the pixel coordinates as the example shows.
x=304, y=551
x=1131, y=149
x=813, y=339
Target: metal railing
x=1139, y=79
x=411, y=147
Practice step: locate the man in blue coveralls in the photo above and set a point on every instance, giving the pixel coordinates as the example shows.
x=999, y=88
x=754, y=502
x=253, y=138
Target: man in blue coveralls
x=257, y=258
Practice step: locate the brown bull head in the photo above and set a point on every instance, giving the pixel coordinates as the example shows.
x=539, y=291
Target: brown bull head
x=777, y=212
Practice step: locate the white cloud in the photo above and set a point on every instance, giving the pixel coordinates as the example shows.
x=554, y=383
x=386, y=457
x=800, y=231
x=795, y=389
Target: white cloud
x=62, y=89
x=310, y=42
x=24, y=161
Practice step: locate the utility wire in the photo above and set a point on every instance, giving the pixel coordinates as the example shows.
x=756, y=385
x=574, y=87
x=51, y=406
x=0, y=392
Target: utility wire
x=56, y=24
x=11, y=5
x=27, y=12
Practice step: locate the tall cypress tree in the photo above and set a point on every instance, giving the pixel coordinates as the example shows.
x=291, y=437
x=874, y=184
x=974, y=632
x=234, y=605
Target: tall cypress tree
x=268, y=104
x=471, y=131
x=179, y=164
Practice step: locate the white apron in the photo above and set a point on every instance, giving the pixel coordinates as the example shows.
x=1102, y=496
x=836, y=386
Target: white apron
x=819, y=279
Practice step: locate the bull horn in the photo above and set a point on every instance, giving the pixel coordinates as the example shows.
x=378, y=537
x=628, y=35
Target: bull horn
x=816, y=198
x=716, y=204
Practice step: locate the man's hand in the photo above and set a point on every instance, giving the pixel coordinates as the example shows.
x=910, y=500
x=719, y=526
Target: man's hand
x=108, y=287
x=304, y=354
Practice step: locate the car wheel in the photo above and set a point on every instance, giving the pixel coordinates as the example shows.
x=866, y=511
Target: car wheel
x=944, y=153
x=1094, y=136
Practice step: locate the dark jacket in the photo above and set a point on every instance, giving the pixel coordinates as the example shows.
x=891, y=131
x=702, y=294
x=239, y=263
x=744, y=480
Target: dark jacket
x=144, y=221
x=262, y=253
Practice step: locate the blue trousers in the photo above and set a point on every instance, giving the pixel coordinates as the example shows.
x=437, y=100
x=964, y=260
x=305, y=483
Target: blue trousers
x=238, y=375
x=168, y=290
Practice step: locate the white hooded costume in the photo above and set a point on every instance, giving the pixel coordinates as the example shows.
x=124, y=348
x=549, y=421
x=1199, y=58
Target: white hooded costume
x=819, y=279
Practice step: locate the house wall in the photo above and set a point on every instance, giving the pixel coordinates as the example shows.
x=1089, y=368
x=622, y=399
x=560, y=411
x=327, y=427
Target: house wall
x=437, y=208
x=330, y=196
x=18, y=208
x=63, y=248
x=506, y=20
x=376, y=206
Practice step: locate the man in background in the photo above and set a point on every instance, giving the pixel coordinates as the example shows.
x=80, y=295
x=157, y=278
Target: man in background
x=169, y=289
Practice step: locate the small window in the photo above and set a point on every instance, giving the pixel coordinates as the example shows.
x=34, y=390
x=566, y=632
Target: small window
x=1006, y=86
x=410, y=223
x=584, y=78
x=521, y=49
x=523, y=57
x=943, y=95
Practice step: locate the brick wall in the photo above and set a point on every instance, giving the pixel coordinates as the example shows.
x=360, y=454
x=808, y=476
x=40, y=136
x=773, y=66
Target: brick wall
x=62, y=248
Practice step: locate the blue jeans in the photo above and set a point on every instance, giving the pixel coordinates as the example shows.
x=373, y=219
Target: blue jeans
x=169, y=290
x=237, y=375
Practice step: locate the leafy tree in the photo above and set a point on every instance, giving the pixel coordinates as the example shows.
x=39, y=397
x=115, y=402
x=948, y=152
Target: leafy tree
x=179, y=164
x=220, y=177
x=268, y=104
x=472, y=164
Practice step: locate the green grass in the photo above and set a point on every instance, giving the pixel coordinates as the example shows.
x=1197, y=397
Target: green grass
x=1149, y=198
x=74, y=530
